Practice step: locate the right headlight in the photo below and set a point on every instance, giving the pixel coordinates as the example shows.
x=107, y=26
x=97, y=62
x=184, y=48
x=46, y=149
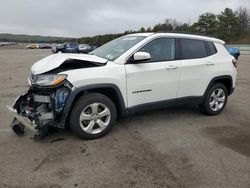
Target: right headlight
x=46, y=80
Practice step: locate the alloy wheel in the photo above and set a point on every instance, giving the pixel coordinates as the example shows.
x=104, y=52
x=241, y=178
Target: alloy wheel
x=95, y=118
x=217, y=99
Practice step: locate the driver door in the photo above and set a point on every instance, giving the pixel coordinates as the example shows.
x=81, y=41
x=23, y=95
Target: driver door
x=156, y=79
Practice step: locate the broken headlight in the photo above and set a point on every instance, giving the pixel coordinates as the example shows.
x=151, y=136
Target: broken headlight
x=48, y=79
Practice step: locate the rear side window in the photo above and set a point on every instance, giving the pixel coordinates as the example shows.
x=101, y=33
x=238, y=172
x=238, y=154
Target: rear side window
x=211, y=50
x=192, y=49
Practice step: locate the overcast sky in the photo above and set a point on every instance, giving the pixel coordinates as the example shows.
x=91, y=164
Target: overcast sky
x=77, y=18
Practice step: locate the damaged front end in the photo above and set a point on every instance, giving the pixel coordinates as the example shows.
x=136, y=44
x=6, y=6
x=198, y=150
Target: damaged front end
x=41, y=106
x=44, y=104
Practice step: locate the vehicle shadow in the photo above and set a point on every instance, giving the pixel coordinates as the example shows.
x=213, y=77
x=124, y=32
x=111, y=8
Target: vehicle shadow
x=165, y=114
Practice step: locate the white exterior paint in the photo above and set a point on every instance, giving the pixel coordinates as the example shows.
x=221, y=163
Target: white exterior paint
x=225, y=67
x=165, y=80
x=109, y=74
x=162, y=78
x=196, y=74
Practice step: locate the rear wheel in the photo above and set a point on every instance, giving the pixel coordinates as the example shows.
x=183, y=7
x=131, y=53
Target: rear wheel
x=93, y=116
x=215, y=100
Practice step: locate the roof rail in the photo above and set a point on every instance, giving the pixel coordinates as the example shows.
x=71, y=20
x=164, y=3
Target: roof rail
x=186, y=32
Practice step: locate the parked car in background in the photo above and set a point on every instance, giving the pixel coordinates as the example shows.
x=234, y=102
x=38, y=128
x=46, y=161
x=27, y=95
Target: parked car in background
x=85, y=48
x=32, y=46
x=234, y=52
x=54, y=46
x=7, y=43
x=93, y=47
x=45, y=46
x=67, y=47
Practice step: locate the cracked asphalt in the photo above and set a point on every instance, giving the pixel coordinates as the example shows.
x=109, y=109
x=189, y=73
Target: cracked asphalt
x=174, y=147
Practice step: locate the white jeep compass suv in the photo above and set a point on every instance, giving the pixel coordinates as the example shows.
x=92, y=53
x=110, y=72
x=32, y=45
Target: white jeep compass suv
x=89, y=92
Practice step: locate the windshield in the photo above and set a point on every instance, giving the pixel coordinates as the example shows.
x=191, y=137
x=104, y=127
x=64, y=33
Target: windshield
x=115, y=48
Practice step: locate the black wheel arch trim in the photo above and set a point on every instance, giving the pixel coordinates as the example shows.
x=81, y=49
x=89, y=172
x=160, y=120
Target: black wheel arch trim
x=80, y=90
x=218, y=78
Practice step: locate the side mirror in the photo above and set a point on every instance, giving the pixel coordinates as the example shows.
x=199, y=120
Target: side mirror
x=141, y=56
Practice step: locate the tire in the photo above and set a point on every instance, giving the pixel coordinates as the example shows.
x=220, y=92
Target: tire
x=215, y=99
x=93, y=116
x=237, y=56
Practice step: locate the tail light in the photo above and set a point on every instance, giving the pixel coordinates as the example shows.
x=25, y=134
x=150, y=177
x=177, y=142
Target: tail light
x=234, y=63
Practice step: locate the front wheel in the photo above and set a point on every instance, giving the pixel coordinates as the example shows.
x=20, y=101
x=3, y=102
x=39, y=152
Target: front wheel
x=215, y=100
x=93, y=116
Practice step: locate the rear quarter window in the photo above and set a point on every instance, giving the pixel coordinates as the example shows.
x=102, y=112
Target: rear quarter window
x=211, y=49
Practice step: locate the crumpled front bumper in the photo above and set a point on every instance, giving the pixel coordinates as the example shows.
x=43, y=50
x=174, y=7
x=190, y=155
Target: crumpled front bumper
x=23, y=120
x=38, y=109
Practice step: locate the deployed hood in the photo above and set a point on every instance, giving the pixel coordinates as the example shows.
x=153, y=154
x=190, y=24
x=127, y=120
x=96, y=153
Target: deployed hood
x=53, y=61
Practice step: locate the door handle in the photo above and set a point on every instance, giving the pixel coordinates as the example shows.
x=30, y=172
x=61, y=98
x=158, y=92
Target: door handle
x=209, y=63
x=172, y=67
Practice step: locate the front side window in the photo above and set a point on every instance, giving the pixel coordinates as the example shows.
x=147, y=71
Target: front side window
x=162, y=49
x=192, y=49
x=115, y=48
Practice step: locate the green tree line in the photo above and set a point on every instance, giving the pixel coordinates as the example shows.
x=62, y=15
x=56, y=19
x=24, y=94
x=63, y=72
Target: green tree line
x=4, y=37
x=229, y=26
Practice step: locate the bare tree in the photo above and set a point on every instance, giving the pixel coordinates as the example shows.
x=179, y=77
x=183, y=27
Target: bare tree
x=243, y=21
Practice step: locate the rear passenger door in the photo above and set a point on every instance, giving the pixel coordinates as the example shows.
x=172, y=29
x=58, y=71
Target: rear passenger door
x=197, y=66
